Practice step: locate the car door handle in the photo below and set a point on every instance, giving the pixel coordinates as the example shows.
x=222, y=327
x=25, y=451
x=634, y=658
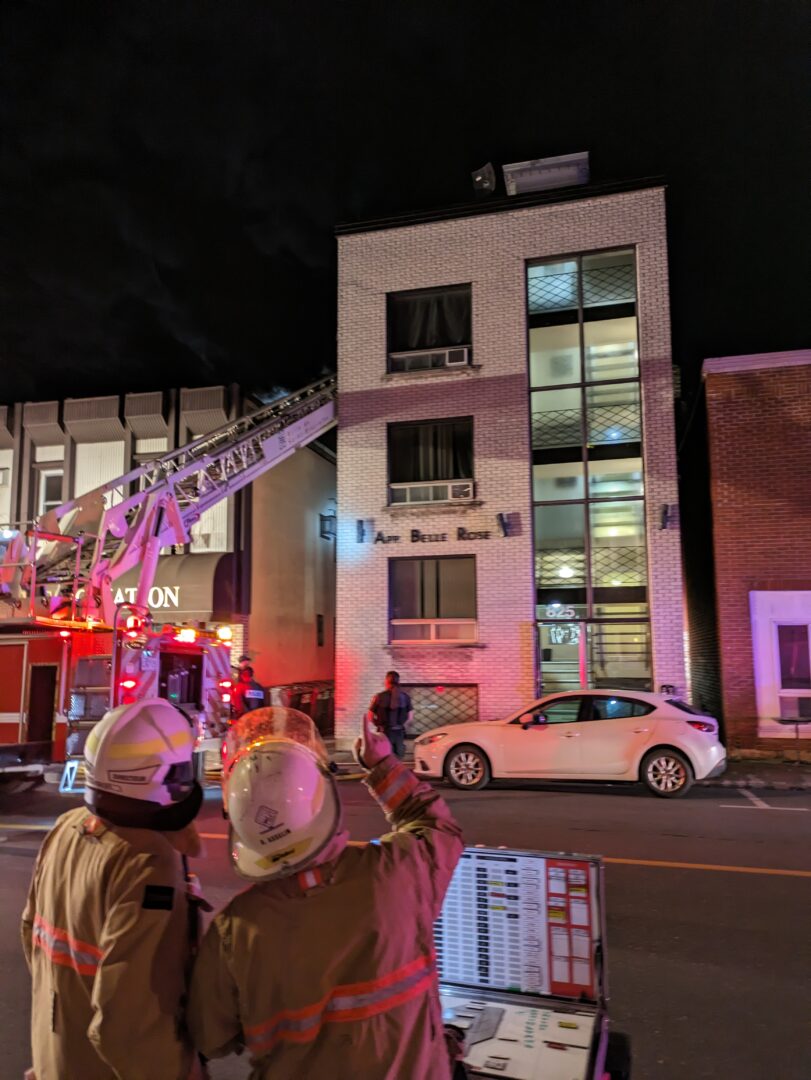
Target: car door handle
x=640, y=730
x=571, y=735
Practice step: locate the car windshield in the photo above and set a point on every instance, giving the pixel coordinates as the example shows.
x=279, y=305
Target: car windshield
x=677, y=704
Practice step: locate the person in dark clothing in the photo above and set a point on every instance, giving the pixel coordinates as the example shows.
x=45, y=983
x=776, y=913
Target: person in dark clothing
x=392, y=712
x=248, y=693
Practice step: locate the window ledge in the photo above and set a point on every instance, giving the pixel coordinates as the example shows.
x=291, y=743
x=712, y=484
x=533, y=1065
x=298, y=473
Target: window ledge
x=432, y=646
x=432, y=509
x=433, y=373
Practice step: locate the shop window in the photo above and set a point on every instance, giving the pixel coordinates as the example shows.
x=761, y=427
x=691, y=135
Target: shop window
x=795, y=657
x=429, y=329
x=431, y=462
x=433, y=601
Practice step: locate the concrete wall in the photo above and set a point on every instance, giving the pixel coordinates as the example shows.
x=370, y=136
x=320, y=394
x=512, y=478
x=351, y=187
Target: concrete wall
x=292, y=571
x=491, y=252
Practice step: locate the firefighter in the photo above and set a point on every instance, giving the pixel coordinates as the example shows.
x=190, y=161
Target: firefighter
x=325, y=966
x=248, y=693
x=107, y=930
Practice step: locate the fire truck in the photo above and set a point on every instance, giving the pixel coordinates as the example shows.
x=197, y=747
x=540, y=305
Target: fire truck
x=68, y=652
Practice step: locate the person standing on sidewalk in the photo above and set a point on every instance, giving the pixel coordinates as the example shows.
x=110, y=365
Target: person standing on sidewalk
x=248, y=694
x=109, y=925
x=392, y=712
x=325, y=967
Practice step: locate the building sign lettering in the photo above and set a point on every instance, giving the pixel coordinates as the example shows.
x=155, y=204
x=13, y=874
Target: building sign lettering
x=466, y=534
x=418, y=537
x=381, y=538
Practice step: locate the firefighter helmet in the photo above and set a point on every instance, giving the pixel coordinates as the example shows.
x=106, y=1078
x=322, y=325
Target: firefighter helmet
x=139, y=767
x=280, y=796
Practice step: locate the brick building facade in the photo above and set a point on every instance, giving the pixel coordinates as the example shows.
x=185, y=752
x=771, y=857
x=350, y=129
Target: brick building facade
x=759, y=422
x=555, y=313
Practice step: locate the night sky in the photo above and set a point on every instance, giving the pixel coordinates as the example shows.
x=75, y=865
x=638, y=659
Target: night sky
x=172, y=172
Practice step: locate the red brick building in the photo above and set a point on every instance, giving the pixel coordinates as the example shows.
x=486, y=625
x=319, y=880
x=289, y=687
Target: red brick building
x=759, y=422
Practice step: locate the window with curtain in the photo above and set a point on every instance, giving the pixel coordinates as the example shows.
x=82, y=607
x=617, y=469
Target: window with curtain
x=428, y=319
x=438, y=450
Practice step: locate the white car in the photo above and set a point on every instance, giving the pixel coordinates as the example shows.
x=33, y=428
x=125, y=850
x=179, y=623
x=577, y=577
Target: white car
x=580, y=735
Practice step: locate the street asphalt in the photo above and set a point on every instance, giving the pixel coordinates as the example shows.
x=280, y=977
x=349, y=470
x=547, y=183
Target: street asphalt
x=708, y=902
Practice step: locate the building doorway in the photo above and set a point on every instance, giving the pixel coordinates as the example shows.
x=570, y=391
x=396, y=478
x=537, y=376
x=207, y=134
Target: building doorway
x=594, y=655
x=42, y=681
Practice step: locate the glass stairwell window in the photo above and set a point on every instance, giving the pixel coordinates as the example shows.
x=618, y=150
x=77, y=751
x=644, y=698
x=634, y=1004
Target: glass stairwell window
x=431, y=462
x=587, y=471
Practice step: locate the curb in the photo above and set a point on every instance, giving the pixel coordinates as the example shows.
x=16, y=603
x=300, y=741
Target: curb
x=800, y=784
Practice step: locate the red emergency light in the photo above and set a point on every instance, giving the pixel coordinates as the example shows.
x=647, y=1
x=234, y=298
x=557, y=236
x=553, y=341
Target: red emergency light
x=133, y=626
x=128, y=684
x=64, y=633
x=187, y=635
x=225, y=684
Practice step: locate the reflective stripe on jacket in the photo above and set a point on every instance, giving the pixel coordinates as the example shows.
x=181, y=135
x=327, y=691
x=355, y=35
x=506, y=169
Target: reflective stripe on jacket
x=331, y=972
x=105, y=934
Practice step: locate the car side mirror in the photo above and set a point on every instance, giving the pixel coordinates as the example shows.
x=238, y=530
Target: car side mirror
x=537, y=720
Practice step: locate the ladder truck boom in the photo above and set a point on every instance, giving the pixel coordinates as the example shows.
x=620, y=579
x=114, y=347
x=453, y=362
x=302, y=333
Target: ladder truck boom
x=82, y=547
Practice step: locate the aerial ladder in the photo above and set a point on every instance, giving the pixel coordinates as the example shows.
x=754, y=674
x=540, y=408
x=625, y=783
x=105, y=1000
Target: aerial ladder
x=57, y=577
x=76, y=552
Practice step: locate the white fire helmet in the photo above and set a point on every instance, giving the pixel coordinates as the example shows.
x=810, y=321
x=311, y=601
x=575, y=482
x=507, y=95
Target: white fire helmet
x=142, y=753
x=280, y=797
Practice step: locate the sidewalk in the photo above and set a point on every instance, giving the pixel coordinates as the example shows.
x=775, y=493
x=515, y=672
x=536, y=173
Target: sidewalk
x=758, y=775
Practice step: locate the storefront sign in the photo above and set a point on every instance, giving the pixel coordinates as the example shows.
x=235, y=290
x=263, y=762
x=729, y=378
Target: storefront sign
x=160, y=596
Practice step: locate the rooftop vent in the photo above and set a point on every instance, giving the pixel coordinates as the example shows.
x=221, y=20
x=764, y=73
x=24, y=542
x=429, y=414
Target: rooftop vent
x=568, y=170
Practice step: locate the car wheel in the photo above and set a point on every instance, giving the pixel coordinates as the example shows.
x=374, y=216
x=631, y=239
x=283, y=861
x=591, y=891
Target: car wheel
x=467, y=768
x=666, y=773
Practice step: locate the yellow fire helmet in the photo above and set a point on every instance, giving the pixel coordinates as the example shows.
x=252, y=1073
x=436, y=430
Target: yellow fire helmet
x=280, y=797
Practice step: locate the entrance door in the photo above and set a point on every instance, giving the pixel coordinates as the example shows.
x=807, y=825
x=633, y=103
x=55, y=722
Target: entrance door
x=41, y=700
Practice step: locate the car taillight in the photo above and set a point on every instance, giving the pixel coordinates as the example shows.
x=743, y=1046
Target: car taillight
x=702, y=725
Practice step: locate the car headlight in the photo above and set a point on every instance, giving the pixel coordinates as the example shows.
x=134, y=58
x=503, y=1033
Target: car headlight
x=426, y=740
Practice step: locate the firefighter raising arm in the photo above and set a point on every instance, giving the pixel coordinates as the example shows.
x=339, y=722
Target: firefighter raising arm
x=424, y=828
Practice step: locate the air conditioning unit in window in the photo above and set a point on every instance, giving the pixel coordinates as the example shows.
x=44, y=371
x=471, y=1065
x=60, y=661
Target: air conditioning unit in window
x=461, y=491
x=457, y=357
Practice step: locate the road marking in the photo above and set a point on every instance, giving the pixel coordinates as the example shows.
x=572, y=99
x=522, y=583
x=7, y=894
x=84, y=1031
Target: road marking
x=754, y=799
x=720, y=867
x=756, y=803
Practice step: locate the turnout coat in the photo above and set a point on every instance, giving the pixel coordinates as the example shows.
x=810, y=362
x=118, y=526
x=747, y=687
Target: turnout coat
x=106, y=935
x=331, y=972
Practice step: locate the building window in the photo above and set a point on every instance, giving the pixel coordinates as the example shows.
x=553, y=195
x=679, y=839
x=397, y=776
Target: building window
x=431, y=462
x=429, y=328
x=795, y=657
x=587, y=474
x=319, y=630
x=327, y=526
x=433, y=601
x=49, y=490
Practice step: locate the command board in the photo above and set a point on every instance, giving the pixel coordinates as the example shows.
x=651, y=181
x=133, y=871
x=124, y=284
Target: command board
x=517, y=952
x=520, y=922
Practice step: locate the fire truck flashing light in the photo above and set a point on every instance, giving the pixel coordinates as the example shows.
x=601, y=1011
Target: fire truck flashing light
x=186, y=635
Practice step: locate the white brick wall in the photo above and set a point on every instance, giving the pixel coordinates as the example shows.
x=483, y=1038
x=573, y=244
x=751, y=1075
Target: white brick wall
x=490, y=251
